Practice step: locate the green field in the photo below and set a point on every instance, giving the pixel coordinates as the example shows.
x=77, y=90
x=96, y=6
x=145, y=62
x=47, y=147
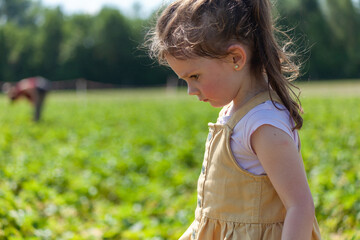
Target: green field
x=124, y=164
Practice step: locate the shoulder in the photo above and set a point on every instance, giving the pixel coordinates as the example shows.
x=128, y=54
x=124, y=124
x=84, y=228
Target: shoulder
x=267, y=109
x=270, y=138
x=266, y=114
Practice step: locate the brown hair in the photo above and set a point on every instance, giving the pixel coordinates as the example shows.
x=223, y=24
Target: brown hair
x=206, y=28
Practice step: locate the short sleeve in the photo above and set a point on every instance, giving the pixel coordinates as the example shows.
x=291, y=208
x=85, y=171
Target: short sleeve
x=279, y=118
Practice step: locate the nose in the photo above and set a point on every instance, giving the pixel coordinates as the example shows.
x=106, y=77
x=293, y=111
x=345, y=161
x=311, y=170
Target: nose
x=192, y=90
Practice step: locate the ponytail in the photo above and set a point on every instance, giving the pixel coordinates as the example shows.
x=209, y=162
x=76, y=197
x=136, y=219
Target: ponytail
x=274, y=61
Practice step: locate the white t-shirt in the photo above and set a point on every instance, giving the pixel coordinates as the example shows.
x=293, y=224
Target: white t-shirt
x=265, y=113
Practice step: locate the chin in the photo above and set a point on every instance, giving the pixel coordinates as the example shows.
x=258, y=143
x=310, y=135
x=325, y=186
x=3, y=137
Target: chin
x=217, y=105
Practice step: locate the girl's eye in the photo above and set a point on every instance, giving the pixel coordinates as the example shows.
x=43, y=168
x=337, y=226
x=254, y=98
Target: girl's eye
x=194, y=77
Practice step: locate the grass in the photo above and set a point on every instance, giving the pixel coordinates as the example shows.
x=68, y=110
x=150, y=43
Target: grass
x=123, y=164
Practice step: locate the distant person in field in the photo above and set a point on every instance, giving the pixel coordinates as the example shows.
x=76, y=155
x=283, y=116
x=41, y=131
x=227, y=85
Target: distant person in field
x=34, y=89
x=252, y=183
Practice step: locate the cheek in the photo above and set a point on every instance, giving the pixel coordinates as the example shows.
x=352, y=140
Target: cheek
x=212, y=89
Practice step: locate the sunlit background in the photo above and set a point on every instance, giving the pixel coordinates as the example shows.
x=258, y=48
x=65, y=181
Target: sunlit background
x=119, y=145
x=101, y=41
x=93, y=6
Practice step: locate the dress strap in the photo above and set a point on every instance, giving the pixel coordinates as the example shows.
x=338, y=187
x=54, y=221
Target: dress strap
x=253, y=102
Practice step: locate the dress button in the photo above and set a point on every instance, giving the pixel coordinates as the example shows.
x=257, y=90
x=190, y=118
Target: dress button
x=203, y=169
x=193, y=234
x=199, y=202
x=209, y=136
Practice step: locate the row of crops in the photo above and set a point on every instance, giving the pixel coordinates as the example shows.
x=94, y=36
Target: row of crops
x=124, y=165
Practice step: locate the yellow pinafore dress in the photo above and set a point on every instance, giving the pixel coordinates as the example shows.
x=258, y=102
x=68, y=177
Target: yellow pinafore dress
x=234, y=204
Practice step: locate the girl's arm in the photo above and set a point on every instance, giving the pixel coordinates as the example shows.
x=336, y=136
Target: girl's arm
x=282, y=163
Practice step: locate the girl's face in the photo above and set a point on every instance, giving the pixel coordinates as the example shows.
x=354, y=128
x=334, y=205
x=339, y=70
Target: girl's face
x=212, y=80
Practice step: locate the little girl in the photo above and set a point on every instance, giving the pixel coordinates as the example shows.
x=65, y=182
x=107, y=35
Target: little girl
x=252, y=183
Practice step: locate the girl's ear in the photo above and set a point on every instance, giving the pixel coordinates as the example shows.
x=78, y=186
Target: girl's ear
x=238, y=56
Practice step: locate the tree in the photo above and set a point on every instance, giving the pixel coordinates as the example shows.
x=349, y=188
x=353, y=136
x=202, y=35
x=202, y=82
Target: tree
x=19, y=12
x=49, y=43
x=327, y=56
x=76, y=56
x=113, y=47
x=344, y=20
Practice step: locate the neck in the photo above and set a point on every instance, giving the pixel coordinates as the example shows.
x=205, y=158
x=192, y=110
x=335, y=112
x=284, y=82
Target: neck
x=248, y=91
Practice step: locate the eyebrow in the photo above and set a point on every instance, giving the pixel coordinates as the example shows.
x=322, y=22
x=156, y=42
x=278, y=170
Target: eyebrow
x=182, y=77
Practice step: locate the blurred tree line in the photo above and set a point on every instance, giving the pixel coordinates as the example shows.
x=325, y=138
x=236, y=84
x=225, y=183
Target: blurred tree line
x=35, y=40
